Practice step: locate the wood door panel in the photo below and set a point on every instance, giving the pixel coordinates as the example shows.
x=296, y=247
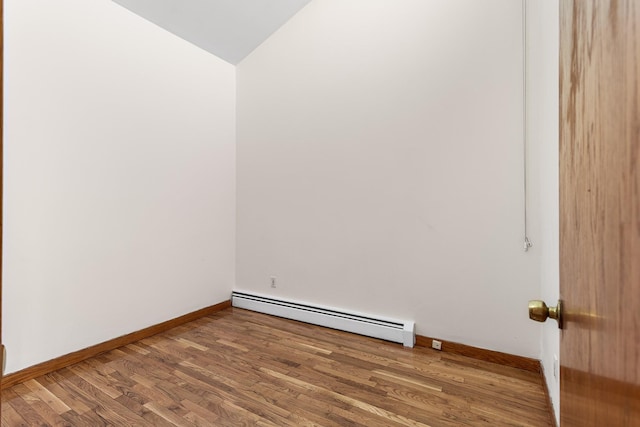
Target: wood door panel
x=600, y=212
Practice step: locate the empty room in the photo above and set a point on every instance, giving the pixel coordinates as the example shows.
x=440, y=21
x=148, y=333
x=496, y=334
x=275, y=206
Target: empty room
x=320, y=213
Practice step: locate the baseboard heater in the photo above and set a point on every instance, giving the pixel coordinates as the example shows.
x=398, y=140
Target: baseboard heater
x=391, y=330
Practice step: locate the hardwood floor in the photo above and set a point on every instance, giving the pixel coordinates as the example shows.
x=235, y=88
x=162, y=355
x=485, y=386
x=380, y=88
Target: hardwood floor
x=237, y=368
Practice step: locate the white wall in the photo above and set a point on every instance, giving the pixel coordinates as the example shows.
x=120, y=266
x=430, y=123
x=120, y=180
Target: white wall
x=119, y=177
x=380, y=166
x=543, y=107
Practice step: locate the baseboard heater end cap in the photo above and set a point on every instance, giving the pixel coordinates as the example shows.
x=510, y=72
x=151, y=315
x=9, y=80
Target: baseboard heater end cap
x=409, y=334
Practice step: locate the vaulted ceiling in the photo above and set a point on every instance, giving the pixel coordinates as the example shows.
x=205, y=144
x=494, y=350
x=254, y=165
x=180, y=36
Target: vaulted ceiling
x=230, y=29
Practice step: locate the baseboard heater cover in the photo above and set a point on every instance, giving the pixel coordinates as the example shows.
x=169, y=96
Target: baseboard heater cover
x=391, y=330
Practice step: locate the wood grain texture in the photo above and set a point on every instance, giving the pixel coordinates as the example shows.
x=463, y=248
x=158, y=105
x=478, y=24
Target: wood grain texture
x=80, y=355
x=238, y=368
x=492, y=356
x=600, y=212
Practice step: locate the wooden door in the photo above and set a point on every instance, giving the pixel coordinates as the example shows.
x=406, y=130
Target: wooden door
x=600, y=212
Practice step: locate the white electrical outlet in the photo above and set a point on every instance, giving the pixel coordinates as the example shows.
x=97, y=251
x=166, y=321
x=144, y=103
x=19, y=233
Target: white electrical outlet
x=273, y=281
x=556, y=367
x=436, y=344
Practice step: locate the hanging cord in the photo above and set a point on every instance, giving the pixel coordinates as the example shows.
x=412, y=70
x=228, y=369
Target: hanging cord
x=527, y=242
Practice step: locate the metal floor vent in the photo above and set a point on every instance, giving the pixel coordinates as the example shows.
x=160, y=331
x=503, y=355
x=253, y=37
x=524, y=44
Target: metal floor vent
x=391, y=330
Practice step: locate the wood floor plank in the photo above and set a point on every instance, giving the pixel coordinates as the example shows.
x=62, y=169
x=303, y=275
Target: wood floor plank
x=26, y=411
x=69, y=399
x=11, y=417
x=43, y=394
x=105, y=406
x=237, y=368
x=71, y=418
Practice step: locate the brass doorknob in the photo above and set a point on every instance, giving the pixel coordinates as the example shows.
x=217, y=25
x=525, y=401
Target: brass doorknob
x=539, y=311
